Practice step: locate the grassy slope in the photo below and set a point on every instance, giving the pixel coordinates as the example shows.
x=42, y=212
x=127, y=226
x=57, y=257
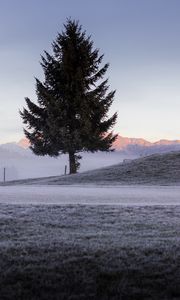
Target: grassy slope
x=84, y=252
x=154, y=169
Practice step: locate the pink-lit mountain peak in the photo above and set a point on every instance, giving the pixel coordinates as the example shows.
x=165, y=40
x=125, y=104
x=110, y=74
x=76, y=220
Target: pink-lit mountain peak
x=24, y=143
x=166, y=142
x=120, y=143
x=123, y=142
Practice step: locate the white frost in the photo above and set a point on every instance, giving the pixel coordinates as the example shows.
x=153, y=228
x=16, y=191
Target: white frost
x=91, y=195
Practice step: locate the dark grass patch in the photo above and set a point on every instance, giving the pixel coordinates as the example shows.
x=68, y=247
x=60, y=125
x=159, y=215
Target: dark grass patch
x=83, y=252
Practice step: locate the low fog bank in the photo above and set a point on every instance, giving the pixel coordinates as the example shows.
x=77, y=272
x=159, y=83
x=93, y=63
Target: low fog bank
x=156, y=169
x=26, y=165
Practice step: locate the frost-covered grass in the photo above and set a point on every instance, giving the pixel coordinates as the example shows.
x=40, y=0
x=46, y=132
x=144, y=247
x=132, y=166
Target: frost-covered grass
x=90, y=194
x=153, y=169
x=157, y=169
x=89, y=252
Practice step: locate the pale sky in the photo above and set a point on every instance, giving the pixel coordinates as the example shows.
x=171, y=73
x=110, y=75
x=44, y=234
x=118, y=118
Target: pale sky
x=140, y=40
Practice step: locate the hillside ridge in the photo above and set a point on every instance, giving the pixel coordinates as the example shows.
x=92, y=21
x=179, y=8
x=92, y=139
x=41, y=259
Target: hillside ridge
x=156, y=169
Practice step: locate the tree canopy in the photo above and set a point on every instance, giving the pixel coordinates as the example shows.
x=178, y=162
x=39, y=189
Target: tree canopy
x=71, y=114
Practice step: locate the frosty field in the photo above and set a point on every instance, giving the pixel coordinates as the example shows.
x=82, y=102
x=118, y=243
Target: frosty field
x=90, y=194
x=87, y=242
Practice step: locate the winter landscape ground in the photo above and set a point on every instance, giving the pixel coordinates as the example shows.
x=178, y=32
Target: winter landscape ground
x=85, y=240
x=90, y=251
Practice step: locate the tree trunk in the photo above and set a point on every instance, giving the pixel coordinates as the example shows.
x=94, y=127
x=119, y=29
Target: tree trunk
x=72, y=163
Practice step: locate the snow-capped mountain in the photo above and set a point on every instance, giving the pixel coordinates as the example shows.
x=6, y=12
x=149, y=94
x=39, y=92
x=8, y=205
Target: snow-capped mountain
x=24, y=143
x=141, y=147
x=125, y=145
x=122, y=143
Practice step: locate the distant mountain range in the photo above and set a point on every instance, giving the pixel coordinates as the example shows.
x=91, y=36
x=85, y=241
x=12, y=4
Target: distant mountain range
x=141, y=147
x=133, y=146
x=123, y=142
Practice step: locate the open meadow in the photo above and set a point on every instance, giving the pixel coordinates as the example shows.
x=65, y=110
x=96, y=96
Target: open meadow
x=89, y=245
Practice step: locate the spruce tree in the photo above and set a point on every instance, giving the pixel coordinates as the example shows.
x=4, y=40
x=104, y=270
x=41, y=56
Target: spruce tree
x=73, y=101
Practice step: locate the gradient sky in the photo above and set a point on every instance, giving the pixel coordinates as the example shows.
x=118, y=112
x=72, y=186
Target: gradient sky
x=140, y=40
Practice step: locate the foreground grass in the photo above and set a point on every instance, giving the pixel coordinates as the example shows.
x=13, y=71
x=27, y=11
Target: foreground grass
x=84, y=252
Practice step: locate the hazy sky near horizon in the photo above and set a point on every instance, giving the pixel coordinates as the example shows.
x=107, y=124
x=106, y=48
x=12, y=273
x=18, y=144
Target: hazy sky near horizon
x=140, y=40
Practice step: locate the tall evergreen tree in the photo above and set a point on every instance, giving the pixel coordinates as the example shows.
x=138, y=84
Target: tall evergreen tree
x=73, y=101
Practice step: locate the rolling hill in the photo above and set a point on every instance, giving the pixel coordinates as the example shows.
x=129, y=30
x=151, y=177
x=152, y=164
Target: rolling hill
x=158, y=169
